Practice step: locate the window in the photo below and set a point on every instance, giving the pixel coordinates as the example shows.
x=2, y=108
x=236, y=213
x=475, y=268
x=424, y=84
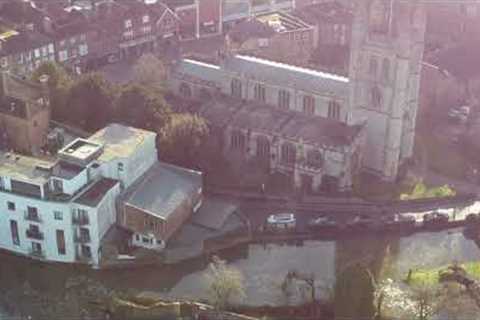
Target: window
x=11, y=206
x=86, y=251
x=83, y=49
x=37, y=53
x=57, y=185
x=386, y=70
x=58, y=215
x=14, y=232
x=185, y=90
x=314, y=159
x=84, y=235
x=146, y=19
x=147, y=29
x=259, y=92
x=263, y=147
x=372, y=69
x=236, y=88
x=63, y=55
x=120, y=167
x=137, y=237
x=288, y=153
x=284, y=99
x=376, y=98
x=36, y=248
x=309, y=105
x=61, y=242
x=128, y=23
x=145, y=240
x=238, y=140
x=334, y=110
x=32, y=211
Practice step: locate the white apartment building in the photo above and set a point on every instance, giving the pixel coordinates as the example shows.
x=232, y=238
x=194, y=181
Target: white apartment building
x=59, y=208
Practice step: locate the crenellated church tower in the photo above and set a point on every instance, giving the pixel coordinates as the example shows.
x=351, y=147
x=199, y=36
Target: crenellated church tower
x=385, y=65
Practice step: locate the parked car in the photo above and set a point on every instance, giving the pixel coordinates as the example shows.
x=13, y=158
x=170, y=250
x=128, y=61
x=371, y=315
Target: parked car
x=472, y=218
x=282, y=221
x=362, y=222
x=436, y=219
x=322, y=222
x=398, y=222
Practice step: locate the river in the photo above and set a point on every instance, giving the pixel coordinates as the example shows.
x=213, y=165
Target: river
x=30, y=288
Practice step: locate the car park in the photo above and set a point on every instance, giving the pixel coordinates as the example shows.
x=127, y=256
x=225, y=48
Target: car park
x=281, y=221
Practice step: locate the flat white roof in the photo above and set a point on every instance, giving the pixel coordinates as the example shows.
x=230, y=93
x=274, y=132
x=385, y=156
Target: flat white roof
x=289, y=67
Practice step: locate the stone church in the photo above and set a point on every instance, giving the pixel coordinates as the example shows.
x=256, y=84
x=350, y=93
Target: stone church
x=365, y=121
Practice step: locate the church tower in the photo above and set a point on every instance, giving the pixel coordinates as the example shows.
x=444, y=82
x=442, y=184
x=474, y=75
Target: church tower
x=385, y=65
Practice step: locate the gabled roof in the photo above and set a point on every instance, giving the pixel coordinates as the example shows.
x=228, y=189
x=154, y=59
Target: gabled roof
x=286, y=75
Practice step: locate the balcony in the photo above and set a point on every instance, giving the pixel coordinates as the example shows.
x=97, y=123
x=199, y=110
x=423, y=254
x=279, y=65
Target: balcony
x=37, y=235
x=82, y=238
x=80, y=221
x=32, y=217
x=37, y=254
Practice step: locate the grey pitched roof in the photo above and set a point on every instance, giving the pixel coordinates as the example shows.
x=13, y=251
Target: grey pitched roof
x=287, y=75
x=163, y=189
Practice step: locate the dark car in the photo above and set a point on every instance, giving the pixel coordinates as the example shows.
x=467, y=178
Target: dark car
x=472, y=218
x=398, y=222
x=362, y=222
x=435, y=219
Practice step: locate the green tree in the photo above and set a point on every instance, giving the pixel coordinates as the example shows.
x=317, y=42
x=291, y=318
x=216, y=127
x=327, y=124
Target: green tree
x=150, y=71
x=139, y=106
x=90, y=101
x=420, y=191
x=225, y=284
x=183, y=140
x=59, y=83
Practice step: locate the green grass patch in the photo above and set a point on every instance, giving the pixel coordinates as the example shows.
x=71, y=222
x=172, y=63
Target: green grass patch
x=431, y=276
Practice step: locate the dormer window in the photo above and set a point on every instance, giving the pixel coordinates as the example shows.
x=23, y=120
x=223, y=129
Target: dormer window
x=146, y=19
x=128, y=23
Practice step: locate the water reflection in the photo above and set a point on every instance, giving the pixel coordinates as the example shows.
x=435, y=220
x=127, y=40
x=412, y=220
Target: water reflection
x=27, y=288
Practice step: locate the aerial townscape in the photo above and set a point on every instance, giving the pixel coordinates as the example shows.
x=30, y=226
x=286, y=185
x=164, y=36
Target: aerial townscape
x=240, y=159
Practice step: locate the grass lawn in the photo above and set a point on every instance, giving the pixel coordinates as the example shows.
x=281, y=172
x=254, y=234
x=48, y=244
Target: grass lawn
x=431, y=276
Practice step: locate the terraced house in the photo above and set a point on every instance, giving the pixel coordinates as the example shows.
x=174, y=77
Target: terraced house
x=380, y=94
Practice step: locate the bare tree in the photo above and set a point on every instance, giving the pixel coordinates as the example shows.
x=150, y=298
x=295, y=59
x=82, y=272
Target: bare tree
x=225, y=284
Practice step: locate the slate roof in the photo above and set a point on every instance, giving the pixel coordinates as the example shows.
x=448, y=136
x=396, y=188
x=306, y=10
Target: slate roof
x=251, y=28
x=163, y=189
x=24, y=41
x=267, y=71
x=285, y=75
x=314, y=130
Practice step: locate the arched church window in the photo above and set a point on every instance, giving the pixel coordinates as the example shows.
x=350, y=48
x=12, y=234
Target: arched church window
x=288, y=153
x=386, y=69
x=379, y=16
x=238, y=140
x=263, y=147
x=334, y=110
x=373, y=67
x=185, y=90
x=376, y=98
x=314, y=159
x=236, y=88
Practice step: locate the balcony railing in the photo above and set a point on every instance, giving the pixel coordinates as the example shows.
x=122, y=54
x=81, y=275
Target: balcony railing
x=38, y=254
x=32, y=217
x=82, y=238
x=34, y=234
x=81, y=221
